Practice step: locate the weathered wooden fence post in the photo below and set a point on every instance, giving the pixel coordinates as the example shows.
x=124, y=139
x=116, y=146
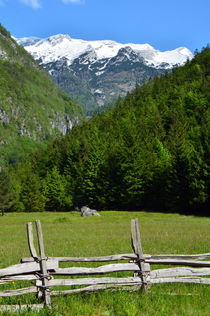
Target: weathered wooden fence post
x=31, y=240
x=33, y=250
x=43, y=266
x=137, y=248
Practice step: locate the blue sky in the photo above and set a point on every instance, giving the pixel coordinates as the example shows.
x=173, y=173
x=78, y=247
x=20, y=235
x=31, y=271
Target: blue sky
x=164, y=24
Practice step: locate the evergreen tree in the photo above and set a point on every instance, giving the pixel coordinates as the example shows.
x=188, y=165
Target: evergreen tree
x=54, y=191
x=6, y=191
x=31, y=195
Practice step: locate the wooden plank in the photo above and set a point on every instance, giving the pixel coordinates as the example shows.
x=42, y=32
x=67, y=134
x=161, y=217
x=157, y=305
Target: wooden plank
x=22, y=291
x=27, y=277
x=28, y=267
x=179, y=272
x=137, y=248
x=31, y=240
x=90, y=281
x=203, y=256
x=43, y=265
x=16, y=308
x=190, y=263
x=99, y=270
x=94, y=288
x=20, y=268
x=197, y=280
x=136, y=242
x=128, y=256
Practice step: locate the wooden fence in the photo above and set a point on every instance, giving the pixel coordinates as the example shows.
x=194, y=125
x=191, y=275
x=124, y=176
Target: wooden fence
x=43, y=271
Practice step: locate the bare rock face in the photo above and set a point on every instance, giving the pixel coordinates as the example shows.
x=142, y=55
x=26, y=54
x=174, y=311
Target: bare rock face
x=86, y=211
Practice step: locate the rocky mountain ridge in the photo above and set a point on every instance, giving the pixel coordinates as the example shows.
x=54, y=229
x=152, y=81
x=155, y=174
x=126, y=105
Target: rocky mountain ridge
x=58, y=46
x=97, y=72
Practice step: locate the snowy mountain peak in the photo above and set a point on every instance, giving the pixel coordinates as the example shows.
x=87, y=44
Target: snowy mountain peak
x=60, y=46
x=27, y=41
x=59, y=38
x=95, y=73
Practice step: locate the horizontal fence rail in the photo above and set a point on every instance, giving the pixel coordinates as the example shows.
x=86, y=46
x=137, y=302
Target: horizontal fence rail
x=128, y=256
x=43, y=270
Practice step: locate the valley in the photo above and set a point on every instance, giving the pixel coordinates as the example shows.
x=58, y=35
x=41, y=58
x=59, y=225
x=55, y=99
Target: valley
x=149, y=152
x=104, y=158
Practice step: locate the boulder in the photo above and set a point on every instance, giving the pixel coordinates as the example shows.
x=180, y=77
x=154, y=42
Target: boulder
x=86, y=211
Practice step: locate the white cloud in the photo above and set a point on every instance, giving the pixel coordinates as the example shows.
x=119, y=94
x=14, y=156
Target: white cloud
x=35, y=4
x=73, y=1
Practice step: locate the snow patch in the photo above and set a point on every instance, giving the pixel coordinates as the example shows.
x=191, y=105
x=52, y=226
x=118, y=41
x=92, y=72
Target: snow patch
x=174, y=57
x=98, y=91
x=98, y=73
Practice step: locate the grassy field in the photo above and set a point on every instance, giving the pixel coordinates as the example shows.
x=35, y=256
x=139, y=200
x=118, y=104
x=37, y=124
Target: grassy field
x=68, y=234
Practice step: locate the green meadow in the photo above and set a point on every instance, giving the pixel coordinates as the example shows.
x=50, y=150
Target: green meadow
x=68, y=234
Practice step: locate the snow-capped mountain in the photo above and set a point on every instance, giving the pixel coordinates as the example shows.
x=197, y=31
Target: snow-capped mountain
x=58, y=46
x=98, y=71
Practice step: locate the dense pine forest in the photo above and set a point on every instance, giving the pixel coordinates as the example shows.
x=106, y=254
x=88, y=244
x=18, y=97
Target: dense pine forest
x=151, y=152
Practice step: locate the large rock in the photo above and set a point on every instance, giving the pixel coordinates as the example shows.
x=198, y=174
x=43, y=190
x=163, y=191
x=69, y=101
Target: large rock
x=86, y=211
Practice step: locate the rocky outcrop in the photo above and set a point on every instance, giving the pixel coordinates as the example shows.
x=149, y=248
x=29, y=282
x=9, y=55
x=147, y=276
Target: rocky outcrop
x=86, y=211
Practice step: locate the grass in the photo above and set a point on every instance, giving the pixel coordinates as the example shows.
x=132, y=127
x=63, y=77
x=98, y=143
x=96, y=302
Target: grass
x=68, y=234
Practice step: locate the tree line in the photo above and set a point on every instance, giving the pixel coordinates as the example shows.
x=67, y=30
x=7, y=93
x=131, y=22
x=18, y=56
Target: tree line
x=151, y=152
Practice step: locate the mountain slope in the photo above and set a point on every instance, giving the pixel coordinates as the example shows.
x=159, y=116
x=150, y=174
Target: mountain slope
x=32, y=108
x=97, y=72
x=152, y=151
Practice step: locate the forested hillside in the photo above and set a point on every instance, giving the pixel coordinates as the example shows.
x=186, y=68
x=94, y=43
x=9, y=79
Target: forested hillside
x=152, y=151
x=32, y=108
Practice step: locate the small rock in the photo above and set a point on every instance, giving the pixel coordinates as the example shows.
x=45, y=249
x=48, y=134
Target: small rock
x=86, y=211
